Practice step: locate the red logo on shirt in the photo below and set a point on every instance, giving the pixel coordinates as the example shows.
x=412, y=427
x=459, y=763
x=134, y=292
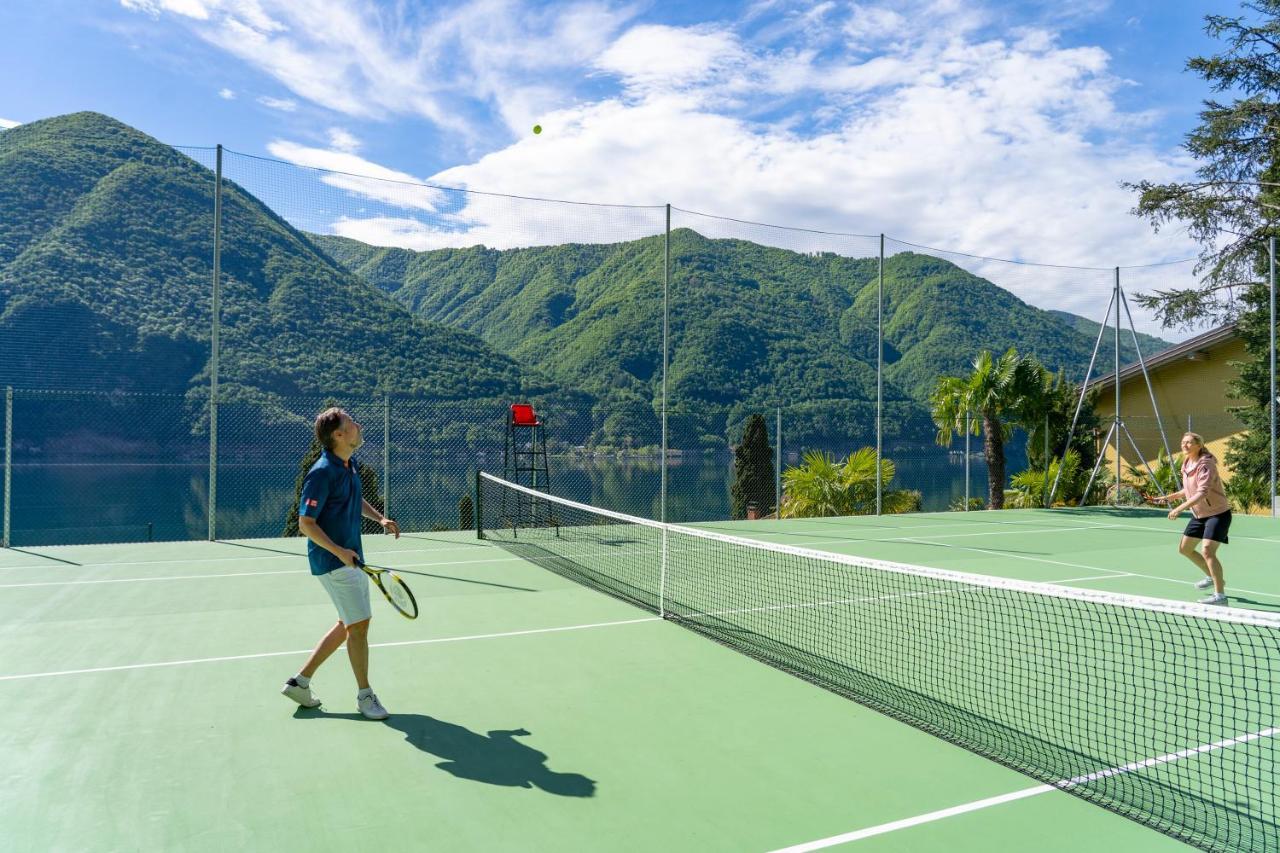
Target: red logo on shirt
x=312, y=502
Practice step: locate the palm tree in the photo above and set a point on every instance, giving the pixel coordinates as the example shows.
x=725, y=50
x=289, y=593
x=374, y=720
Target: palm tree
x=999, y=392
x=826, y=486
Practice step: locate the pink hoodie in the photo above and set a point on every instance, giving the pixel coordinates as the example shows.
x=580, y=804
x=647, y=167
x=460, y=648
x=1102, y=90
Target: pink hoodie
x=1203, y=486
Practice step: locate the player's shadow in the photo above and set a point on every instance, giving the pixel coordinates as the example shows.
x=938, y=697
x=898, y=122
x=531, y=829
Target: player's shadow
x=495, y=759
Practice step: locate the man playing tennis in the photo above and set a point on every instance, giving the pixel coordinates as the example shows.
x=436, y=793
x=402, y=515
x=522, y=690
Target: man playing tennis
x=332, y=507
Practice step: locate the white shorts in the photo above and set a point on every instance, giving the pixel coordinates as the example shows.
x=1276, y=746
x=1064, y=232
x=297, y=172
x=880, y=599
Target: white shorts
x=349, y=589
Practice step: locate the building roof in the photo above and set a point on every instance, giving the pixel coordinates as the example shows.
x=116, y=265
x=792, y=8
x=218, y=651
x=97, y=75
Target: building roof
x=1188, y=349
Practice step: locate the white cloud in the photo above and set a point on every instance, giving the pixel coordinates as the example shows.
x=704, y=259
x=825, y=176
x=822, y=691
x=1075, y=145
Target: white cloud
x=689, y=57
x=873, y=24
x=366, y=61
x=186, y=8
x=343, y=140
x=6, y=123
x=226, y=94
x=936, y=121
x=360, y=177
x=286, y=105
x=1007, y=149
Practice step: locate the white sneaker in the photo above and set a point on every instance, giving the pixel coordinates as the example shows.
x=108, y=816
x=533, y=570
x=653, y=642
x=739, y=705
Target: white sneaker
x=1216, y=598
x=1204, y=583
x=371, y=707
x=302, y=695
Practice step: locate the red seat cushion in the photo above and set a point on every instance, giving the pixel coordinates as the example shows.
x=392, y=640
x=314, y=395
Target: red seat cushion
x=522, y=415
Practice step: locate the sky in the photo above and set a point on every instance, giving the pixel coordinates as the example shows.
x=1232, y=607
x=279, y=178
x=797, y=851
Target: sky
x=998, y=129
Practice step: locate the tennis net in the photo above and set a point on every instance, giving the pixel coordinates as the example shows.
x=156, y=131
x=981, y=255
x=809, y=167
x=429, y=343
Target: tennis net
x=1164, y=713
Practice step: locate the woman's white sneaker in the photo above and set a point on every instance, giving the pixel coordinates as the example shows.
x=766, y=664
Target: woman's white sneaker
x=302, y=695
x=1204, y=583
x=371, y=707
x=1216, y=598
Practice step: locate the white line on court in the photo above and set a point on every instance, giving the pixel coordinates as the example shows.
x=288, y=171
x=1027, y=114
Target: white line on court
x=191, y=661
x=405, y=566
x=135, y=580
x=1065, y=784
x=1011, y=556
x=266, y=555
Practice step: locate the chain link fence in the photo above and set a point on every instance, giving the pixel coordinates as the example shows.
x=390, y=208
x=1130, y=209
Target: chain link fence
x=425, y=311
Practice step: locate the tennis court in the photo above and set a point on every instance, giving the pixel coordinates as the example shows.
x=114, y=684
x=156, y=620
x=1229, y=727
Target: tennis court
x=139, y=705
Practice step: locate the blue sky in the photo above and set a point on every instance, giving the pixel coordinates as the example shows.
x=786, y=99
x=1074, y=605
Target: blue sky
x=996, y=128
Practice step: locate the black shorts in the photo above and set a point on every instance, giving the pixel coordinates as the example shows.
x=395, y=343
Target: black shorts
x=1214, y=527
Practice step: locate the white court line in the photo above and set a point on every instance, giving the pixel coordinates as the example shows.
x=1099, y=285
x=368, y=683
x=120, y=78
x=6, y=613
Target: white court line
x=371, y=645
x=1001, y=532
x=1006, y=554
x=1012, y=556
x=191, y=661
x=1175, y=530
x=1065, y=784
x=266, y=555
x=406, y=567
x=135, y=580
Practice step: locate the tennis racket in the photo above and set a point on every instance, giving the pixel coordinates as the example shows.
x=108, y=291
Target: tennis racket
x=396, y=591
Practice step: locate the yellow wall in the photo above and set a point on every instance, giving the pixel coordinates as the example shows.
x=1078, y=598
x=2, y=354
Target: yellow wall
x=1183, y=388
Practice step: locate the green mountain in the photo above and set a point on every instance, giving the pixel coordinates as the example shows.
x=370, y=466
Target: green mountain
x=1106, y=350
x=106, y=245
x=751, y=326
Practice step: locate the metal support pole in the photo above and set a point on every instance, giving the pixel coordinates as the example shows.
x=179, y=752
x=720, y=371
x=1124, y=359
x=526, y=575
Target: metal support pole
x=8, y=462
x=967, y=436
x=1146, y=377
x=777, y=469
x=1117, y=419
x=386, y=455
x=213, y=358
x=1046, y=458
x=666, y=330
x=1272, y=284
x=1084, y=386
x=880, y=378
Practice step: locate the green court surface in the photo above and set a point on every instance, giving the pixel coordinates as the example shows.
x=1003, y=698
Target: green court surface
x=139, y=704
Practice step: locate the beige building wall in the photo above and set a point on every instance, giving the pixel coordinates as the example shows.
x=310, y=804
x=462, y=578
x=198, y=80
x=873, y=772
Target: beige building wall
x=1190, y=390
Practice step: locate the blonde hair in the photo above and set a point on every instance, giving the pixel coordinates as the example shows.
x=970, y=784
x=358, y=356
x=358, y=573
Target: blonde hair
x=1195, y=436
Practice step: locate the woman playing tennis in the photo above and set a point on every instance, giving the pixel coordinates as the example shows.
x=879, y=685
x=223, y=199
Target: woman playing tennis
x=1203, y=494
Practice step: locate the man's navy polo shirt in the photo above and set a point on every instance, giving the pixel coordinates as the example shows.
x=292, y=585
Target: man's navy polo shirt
x=331, y=494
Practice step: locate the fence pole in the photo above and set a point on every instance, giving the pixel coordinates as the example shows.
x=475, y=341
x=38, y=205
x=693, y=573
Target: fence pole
x=213, y=357
x=777, y=469
x=662, y=511
x=1272, y=264
x=8, y=461
x=880, y=377
x=967, y=436
x=1046, y=459
x=1117, y=493
x=386, y=455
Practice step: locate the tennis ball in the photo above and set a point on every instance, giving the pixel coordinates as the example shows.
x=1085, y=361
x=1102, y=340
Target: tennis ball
x=537, y=128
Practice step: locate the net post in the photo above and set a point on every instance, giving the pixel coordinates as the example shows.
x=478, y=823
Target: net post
x=479, y=508
x=214, y=348
x=8, y=462
x=386, y=455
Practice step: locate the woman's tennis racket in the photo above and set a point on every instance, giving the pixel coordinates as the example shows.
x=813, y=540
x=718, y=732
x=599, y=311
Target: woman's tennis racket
x=396, y=591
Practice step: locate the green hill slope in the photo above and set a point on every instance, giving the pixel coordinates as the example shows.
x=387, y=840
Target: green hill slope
x=105, y=281
x=751, y=326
